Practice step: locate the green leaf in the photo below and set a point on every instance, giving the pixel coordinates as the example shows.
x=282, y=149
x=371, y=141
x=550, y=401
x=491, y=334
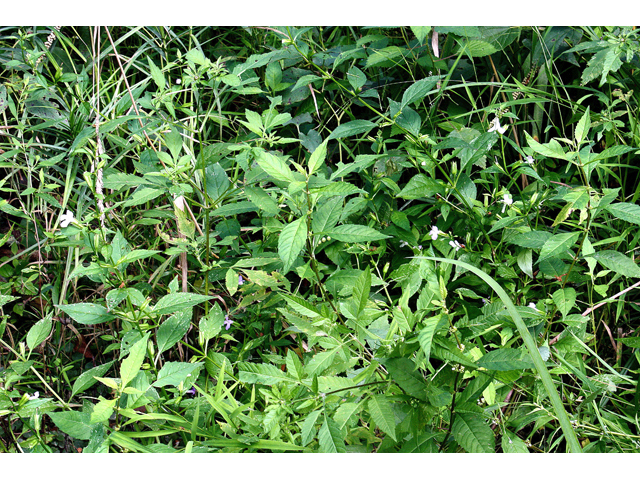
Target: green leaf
x=421, y=186
x=552, y=149
x=327, y=215
x=173, y=329
x=86, y=379
x=472, y=433
x=308, y=431
x=156, y=74
x=511, y=443
x=317, y=157
x=629, y=212
x=565, y=299
x=211, y=324
x=419, y=90
x=275, y=167
x=75, y=424
x=558, y=245
x=291, y=242
x=355, y=233
x=131, y=365
x=39, y=332
x=505, y=359
x=425, y=337
x=143, y=195
x=349, y=129
x=172, y=373
x=87, y=313
x=582, y=129
x=263, y=373
x=403, y=372
x=301, y=306
x=136, y=255
x=330, y=437
x=361, y=290
x=618, y=263
x=102, y=410
x=379, y=408
x=175, y=302
x=532, y=239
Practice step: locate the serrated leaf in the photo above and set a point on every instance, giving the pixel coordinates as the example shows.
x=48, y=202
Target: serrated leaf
x=327, y=215
x=87, y=313
x=425, y=337
x=156, y=74
x=349, y=129
x=361, y=290
x=511, y=443
x=317, y=157
x=565, y=299
x=39, y=332
x=301, y=306
x=629, y=212
x=262, y=373
x=143, y=195
x=136, y=255
x=505, y=359
x=131, y=365
x=532, y=239
x=421, y=186
x=291, y=242
x=102, y=410
x=75, y=424
x=379, y=407
x=330, y=437
x=346, y=413
x=403, y=372
x=211, y=324
x=275, y=167
x=355, y=233
x=173, y=329
x=172, y=373
x=86, y=379
x=472, y=433
x=418, y=90
x=617, y=262
x=308, y=430
x=175, y=302
x=558, y=245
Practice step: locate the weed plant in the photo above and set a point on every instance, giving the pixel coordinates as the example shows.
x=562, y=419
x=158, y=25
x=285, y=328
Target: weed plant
x=323, y=239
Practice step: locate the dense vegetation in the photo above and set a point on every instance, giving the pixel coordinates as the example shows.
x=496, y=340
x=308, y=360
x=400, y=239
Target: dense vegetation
x=335, y=239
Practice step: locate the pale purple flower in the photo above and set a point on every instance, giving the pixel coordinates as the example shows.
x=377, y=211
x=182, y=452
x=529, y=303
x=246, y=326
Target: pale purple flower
x=529, y=160
x=227, y=322
x=240, y=280
x=507, y=201
x=455, y=244
x=434, y=233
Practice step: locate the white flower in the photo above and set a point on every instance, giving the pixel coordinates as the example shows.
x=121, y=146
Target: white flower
x=34, y=396
x=495, y=126
x=455, y=244
x=434, y=233
x=507, y=201
x=529, y=160
x=533, y=305
x=66, y=219
x=178, y=81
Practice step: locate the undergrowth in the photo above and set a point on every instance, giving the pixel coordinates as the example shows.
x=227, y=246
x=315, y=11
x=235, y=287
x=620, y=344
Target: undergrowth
x=340, y=239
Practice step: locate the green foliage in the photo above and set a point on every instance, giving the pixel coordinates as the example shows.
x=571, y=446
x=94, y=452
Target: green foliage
x=340, y=239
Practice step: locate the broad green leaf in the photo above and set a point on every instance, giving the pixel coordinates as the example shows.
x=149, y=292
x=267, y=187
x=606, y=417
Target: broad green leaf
x=379, y=407
x=172, y=373
x=347, y=413
x=349, y=129
x=143, y=195
x=525, y=261
x=173, y=329
x=327, y=215
x=87, y=313
x=217, y=181
x=551, y=149
x=357, y=78
x=136, y=255
x=291, y=242
x=156, y=74
x=421, y=186
x=275, y=167
x=75, y=424
x=131, y=365
x=330, y=437
x=419, y=90
x=87, y=380
x=39, y=332
x=175, y=302
x=425, y=337
x=505, y=359
x=263, y=373
x=116, y=181
x=403, y=372
x=355, y=233
x=629, y=212
x=102, y=410
x=317, y=157
x=234, y=209
x=361, y=290
x=308, y=430
x=472, y=433
x=565, y=299
x=558, y=245
x=211, y=324
x=532, y=239
x=261, y=199
x=583, y=127
x=511, y=443
x=301, y=306
x=618, y=263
